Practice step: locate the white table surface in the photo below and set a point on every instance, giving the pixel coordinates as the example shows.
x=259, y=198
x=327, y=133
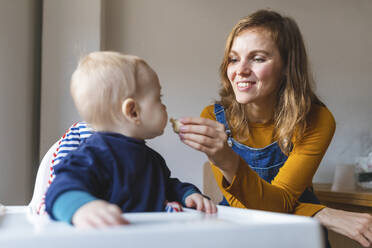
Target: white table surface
x=231, y=227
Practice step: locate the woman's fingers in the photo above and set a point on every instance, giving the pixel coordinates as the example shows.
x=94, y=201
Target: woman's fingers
x=368, y=236
x=199, y=129
x=363, y=227
x=203, y=134
x=200, y=139
x=199, y=121
x=362, y=240
x=209, y=151
x=208, y=137
x=207, y=131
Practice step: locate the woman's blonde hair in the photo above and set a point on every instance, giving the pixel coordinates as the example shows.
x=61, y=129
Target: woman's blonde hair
x=295, y=95
x=100, y=84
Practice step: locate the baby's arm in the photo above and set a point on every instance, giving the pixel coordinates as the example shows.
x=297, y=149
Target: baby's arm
x=84, y=210
x=190, y=195
x=72, y=197
x=186, y=193
x=70, y=141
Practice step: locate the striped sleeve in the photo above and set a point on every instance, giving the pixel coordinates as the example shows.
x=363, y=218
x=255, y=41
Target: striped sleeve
x=74, y=136
x=70, y=141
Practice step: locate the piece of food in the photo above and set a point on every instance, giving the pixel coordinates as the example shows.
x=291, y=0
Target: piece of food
x=175, y=125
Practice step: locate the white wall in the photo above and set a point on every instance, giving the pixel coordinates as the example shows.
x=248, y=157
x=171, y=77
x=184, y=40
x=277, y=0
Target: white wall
x=339, y=38
x=183, y=41
x=71, y=29
x=19, y=69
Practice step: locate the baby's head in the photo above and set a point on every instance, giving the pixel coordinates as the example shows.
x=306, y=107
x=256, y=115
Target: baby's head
x=119, y=93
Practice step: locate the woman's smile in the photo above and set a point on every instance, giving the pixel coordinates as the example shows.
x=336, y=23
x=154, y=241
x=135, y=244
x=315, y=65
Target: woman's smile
x=245, y=85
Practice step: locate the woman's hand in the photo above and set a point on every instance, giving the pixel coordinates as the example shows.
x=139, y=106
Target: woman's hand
x=98, y=213
x=357, y=226
x=209, y=137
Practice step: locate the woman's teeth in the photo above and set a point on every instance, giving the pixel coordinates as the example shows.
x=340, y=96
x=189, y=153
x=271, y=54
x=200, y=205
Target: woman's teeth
x=244, y=84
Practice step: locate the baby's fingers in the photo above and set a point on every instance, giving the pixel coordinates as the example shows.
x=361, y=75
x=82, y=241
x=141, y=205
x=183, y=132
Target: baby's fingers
x=199, y=205
x=194, y=202
x=209, y=206
x=113, y=216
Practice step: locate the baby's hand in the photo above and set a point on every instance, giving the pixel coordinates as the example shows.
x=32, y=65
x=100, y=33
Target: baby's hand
x=201, y=203
x=98, y=213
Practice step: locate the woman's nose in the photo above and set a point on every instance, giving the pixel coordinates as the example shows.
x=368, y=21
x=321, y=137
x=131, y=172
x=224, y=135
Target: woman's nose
x=243, y=68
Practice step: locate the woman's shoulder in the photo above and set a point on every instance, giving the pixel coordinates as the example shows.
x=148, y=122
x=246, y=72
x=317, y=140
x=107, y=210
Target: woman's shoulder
x=208, y=112
x=320, y=124
x=321, y=116
x=319, y=132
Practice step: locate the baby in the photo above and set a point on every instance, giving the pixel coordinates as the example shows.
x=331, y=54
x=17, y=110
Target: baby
x=114, y=171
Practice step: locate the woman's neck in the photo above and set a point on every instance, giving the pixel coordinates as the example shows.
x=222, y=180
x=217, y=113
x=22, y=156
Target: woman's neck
x=260, y=113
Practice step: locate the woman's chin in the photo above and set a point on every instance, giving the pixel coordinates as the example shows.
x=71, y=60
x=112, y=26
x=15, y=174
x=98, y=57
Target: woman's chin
x=244, y=100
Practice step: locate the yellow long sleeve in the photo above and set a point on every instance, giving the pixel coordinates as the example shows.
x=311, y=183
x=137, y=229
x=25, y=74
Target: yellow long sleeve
x=248, y=190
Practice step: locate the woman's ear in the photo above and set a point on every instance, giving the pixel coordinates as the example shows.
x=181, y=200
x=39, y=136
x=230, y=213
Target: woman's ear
x=130, y=110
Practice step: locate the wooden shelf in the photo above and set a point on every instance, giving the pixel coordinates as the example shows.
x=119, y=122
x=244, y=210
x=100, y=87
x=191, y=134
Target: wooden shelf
x=357, y=197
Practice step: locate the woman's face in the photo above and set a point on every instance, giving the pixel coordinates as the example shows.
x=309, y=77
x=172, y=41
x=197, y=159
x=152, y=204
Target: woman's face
x=255, y=67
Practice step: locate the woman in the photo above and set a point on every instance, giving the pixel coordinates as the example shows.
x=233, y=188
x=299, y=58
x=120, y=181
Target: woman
x=267, y=135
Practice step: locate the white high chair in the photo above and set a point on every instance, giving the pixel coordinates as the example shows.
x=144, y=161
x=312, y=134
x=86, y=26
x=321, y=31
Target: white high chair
x=42, y=177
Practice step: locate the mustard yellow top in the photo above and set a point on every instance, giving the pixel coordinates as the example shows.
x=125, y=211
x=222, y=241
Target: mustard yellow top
x=248, y=190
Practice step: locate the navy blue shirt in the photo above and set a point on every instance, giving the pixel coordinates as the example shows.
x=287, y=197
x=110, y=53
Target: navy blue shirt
x=120, y=170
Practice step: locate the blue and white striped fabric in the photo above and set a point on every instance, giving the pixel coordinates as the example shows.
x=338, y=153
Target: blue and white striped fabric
x=70, y=141
x=75, y=135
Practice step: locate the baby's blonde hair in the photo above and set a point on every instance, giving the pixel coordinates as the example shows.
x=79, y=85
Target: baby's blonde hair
x=100, y=84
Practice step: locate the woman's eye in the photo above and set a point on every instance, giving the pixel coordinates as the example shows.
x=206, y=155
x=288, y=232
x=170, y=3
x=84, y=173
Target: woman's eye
x=258, y=59
x=233, y=60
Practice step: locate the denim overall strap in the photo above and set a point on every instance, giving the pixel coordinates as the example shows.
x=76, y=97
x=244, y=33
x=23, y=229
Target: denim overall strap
x=266, y=161
x=219, y=112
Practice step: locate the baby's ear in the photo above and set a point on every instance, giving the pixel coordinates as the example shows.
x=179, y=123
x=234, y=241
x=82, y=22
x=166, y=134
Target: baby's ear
x=130, y=110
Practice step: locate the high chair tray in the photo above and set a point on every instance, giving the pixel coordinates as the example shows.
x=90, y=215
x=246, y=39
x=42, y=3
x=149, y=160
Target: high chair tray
x=231, y=227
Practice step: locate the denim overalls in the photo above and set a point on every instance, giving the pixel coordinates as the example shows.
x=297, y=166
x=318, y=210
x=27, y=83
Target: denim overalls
x=265, y=161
